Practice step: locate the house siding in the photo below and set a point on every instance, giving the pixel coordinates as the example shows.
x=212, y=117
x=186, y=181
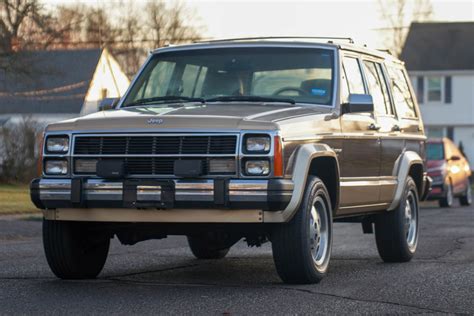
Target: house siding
x=457, y=115
x=108, y=78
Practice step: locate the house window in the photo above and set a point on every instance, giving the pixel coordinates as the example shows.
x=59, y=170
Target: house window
x=435, y=132
x=434, y=89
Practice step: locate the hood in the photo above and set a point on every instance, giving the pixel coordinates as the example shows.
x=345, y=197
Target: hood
x=210, y=117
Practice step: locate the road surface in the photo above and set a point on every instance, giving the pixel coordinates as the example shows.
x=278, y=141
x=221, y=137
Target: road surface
x=161, y=276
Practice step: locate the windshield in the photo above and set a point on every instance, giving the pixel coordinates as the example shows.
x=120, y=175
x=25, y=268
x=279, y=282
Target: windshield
x=299, y=74
x=434, y=151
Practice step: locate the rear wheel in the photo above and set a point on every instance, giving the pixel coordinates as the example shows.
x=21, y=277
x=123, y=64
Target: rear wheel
x=302, y=247
x=73, y=251
x=207, y=247
x=447, y=201
x=466, y=198
x=396, y=232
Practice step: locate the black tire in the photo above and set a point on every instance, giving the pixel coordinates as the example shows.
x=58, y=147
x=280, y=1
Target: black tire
x=396, y=234
x=295, y=243
x=466, y=198
x=207, y=247
x=73, y=251
x=447, y=201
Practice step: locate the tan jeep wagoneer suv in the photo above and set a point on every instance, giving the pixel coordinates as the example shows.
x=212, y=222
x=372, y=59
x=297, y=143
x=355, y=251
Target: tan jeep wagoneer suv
x=269, y=139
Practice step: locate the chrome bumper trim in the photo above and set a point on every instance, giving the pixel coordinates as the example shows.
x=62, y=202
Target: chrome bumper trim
x=185, y=190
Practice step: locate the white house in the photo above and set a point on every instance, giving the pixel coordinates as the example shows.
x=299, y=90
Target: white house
x=59, y=84
x=440, y=61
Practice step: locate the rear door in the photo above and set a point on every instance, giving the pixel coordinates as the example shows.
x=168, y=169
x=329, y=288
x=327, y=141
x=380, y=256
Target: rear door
x=360, y=160
x=389, y=131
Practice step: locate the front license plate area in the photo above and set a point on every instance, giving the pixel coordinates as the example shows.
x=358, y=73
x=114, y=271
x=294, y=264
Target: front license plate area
x=167, y=194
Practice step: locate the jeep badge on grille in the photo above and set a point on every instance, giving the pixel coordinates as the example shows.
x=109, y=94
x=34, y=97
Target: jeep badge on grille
x=156, y=121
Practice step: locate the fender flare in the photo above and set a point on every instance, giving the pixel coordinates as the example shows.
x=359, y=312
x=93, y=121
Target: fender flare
x=401, y=170
x=304, y=155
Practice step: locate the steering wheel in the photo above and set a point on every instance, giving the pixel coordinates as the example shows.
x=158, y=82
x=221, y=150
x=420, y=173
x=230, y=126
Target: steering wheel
x=284, y=89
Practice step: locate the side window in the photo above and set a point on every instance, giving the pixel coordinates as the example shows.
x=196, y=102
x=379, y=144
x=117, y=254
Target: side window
x=354, y=76
x=401, y=93
x=377, y=87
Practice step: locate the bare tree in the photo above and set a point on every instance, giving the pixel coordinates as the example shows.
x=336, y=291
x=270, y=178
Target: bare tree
x=398, y=14
x=24, y=24
x=167, y=24
x=131, y=52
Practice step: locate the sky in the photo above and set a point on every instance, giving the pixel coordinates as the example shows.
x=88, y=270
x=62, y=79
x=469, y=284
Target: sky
x=347, y=18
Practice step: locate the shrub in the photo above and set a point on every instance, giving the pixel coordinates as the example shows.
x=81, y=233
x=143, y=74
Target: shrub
x=18, y=151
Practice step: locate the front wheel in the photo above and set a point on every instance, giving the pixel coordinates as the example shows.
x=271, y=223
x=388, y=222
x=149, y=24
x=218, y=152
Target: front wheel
x=73, y=250
x=396, y=232
x=302, y=247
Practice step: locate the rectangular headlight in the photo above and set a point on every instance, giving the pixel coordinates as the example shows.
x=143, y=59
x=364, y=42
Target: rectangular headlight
x=57, y=144
x=257, y=144
x=88, y=166
x=55, y=167
x=257, y=167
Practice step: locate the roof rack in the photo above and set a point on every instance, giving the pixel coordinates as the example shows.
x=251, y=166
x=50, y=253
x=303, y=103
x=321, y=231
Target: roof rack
x=329, y=38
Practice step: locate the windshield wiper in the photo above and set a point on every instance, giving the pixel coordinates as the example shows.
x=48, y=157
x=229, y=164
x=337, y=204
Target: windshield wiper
x=250, y=98
x=165, y=99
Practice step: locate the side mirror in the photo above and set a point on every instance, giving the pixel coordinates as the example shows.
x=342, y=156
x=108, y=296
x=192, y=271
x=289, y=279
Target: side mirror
x=358, y=103
x=455, y=158
x=108, y=104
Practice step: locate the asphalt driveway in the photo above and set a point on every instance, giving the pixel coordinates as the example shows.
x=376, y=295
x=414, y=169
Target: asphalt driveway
x=163, y=277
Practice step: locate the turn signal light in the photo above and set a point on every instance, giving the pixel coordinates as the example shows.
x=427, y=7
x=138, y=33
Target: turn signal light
x=278, y=158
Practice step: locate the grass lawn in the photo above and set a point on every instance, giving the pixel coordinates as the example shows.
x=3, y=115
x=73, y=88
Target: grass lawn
x=15, y=199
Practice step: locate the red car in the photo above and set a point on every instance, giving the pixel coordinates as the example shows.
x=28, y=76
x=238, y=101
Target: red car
x=450, y=172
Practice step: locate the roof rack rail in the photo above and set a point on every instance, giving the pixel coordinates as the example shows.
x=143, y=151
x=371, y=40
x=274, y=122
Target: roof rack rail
x=329, y=38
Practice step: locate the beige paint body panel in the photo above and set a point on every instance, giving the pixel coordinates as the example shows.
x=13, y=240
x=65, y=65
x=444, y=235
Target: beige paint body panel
x=155, y=216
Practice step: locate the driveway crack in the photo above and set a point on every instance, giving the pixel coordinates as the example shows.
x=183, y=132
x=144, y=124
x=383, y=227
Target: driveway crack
x=367, y=300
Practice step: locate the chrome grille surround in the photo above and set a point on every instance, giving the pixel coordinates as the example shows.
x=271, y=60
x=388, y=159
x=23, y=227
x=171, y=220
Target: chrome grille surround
x=151, y=155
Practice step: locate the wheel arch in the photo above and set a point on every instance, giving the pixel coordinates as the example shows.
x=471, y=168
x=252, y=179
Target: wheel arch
x=309, y=159
x=408, y=164
x=326, y=168
x=416, y=172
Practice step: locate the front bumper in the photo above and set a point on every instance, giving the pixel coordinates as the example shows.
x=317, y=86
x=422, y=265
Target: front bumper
x=167, y=194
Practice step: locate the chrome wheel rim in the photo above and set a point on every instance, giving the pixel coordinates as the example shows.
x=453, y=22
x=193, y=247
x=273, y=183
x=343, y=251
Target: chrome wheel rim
x=411, y=220
x=449, y=195
x=319, y=233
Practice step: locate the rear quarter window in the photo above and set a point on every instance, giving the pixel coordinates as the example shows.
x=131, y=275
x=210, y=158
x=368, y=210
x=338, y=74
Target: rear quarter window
x=401, y=93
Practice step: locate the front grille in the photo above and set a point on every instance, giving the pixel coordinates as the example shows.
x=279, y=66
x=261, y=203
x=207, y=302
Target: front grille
x=155, y=145
x=155, y=155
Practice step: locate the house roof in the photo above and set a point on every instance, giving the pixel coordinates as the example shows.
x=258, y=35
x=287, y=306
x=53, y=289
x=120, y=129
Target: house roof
x=53, y=81
x=439, y=46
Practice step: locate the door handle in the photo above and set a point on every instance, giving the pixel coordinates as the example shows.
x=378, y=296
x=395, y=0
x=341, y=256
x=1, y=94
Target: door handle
x=374, y=127
x=396, y=128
